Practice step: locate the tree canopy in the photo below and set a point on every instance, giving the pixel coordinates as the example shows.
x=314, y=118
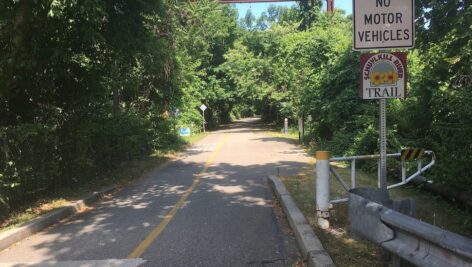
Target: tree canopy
x=87, y=85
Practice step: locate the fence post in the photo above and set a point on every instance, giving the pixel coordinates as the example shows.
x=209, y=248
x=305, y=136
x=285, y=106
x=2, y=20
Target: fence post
x=353, y=173
x=322, y=188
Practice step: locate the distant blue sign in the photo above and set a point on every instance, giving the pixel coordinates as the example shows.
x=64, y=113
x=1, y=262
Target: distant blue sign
x=184, y=131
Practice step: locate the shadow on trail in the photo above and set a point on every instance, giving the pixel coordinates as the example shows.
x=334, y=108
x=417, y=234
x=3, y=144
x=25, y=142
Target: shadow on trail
x=229, y=199
x=277, y=139
x=247, y=125
x=115, y=226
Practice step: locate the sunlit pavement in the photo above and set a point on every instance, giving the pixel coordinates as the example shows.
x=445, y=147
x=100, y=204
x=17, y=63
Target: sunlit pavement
x=210, y=207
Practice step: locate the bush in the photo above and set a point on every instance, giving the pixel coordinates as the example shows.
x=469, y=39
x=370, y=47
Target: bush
x=29, y=163
x=94, y=143
x=39, y=159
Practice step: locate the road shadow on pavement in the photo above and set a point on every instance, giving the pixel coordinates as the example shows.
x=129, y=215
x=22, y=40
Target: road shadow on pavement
x=227, y=220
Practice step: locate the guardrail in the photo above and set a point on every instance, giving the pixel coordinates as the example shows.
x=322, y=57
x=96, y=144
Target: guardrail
x=408, y=239
x=375, y=217
x=405, y=179
x=323, y=169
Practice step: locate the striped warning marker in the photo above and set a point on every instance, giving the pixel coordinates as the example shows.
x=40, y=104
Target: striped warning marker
x=412, y=153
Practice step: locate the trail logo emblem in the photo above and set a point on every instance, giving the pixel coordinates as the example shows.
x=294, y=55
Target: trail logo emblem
x=383, y=75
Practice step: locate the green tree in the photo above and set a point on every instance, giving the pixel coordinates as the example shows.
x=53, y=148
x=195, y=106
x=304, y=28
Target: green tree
x=309, y=11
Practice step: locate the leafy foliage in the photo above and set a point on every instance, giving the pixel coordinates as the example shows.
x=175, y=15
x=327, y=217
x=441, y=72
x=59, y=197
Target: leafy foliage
x=78, y=80
x=86, y=86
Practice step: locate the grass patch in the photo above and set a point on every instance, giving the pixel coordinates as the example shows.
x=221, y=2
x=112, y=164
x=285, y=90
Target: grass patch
x=291, y=135
x=348, y=252
x=122, y=176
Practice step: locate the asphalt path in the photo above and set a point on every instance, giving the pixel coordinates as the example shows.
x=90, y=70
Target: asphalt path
x=212, y=206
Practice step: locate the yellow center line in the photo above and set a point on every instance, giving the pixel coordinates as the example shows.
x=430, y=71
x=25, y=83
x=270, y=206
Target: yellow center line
x=139, y=250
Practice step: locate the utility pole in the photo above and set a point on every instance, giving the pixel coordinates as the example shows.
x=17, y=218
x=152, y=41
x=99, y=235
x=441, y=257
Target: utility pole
x=330, y=6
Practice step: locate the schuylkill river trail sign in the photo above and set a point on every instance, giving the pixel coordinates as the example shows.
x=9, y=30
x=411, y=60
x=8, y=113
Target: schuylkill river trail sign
x=383, y=75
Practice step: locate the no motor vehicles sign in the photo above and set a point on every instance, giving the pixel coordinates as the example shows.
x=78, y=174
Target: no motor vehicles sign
x=383, y=24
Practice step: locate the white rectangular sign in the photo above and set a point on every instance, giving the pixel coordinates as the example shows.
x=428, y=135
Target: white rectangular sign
x=383, y=24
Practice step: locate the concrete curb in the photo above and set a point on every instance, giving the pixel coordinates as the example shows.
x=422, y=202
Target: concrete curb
x=14, y=235
x=310, y=245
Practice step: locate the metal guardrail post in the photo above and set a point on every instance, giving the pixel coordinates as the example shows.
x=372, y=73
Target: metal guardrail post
x=322, y=189
x=403, y=171
x=353, y=173
x=364, y=215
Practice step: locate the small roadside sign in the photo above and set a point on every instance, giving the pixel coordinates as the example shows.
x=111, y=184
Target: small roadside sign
x=184, y=131
x=383, y=75
x=203, y=107
x=383, y=24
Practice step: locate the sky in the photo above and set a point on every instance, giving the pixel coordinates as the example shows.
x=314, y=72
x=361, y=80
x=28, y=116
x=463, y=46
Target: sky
x=258, y=8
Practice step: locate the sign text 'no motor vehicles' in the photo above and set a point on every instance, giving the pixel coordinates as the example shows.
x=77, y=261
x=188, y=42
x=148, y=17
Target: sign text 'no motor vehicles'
x=383, y=24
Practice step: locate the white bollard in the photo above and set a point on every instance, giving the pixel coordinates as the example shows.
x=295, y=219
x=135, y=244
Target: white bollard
x=286, y=126
x=322, y=189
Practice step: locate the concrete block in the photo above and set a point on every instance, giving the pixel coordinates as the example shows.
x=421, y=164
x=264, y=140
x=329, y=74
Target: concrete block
x=308, y=242
x=278, y=187
x=320, y=259
x=294, y=216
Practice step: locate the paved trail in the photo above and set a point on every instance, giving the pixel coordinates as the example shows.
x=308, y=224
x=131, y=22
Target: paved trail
x=211, y=207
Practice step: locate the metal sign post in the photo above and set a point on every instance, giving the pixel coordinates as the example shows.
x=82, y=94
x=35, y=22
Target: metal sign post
x=383, y=144
x=176, y=116
x=203, y=107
